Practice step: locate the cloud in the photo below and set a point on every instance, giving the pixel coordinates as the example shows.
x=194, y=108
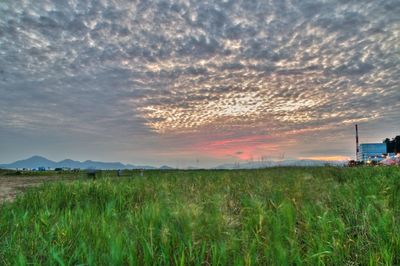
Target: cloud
x=167, y=68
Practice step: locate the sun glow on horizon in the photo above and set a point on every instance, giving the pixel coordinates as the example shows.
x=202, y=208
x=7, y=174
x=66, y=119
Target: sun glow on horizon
x=326, y=158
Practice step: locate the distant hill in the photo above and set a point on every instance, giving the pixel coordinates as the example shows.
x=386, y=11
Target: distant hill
x=39, y=161
x=166, y=167
x=32, y=162
x=258, y=165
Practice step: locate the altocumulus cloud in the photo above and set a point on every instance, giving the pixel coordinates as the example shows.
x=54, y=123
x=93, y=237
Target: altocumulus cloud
x=274, y=72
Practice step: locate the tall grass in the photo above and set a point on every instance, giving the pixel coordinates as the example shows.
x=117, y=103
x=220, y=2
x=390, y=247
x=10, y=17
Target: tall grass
x=278, y=216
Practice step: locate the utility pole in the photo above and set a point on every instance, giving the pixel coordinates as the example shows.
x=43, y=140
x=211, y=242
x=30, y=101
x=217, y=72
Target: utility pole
x=357, y=146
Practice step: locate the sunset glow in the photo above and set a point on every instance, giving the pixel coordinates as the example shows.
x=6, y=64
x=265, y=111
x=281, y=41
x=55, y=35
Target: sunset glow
x=327, y=158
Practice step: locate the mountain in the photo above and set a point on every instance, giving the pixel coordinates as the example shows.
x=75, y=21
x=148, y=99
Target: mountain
x=101, y=165
x=147, y=167
x=69, y=163
x=39, y=161
x=166, y=167
x=33, y=162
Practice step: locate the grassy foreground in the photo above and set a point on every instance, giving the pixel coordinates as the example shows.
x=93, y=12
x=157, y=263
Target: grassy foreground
x=278, y=216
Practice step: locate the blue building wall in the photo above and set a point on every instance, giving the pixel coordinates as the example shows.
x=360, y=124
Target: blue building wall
x=372, y=152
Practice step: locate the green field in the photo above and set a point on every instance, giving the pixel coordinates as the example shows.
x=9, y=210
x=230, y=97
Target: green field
x=277, y=216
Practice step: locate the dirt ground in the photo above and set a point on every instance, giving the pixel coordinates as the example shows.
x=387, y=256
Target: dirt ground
x=10, y=186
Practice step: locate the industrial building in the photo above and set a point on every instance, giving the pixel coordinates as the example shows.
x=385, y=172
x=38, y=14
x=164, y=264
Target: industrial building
x=372, y=152
x=377, y=152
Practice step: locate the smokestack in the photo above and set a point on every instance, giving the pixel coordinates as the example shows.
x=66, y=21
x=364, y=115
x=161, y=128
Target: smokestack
x=357, y=146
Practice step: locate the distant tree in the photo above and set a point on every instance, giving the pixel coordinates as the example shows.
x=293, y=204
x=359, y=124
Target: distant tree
x=396, y=141
x=390, y=145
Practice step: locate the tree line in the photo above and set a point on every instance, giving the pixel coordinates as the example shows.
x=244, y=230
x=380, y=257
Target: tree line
x=393, y=145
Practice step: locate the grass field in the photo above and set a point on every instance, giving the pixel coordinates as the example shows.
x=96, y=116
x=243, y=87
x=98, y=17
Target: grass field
x=277, y=216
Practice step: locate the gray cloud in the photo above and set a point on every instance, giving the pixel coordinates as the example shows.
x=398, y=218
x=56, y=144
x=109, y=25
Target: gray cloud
x=152, y=69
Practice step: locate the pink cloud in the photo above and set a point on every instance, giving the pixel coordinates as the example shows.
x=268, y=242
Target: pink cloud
x=242, y=148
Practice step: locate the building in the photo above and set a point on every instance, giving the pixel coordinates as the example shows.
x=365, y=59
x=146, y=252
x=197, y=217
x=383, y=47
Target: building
x=372, y=152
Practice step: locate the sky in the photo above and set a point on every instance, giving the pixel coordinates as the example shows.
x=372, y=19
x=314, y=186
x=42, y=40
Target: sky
x=200, y=83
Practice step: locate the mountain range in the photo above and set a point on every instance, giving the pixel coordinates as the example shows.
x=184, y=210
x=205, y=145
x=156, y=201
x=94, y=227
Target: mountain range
x=39, y=161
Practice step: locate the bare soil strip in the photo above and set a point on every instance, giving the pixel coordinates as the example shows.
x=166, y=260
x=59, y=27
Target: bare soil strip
x=10, y=186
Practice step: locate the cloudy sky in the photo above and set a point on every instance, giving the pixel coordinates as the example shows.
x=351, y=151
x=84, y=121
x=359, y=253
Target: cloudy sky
x=188, y=82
